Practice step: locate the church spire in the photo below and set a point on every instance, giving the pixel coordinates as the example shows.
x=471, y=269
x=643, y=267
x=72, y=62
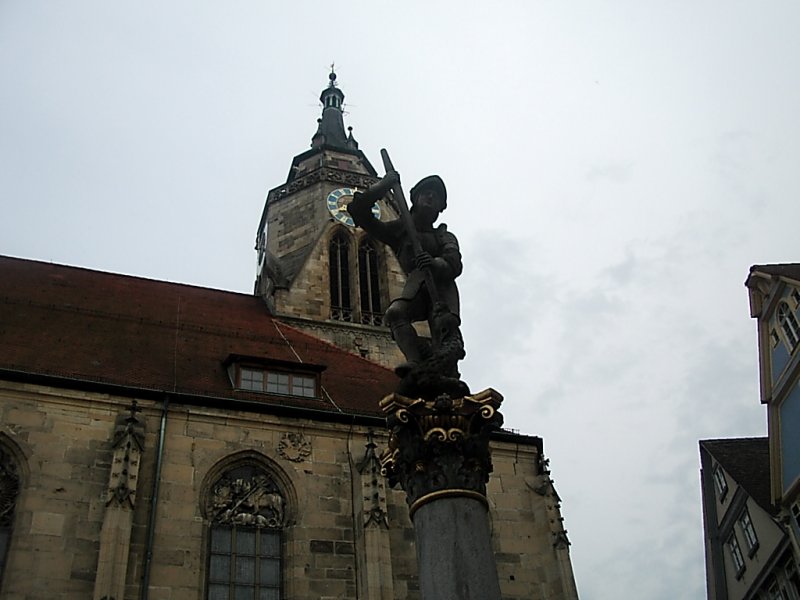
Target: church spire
x=330, y=132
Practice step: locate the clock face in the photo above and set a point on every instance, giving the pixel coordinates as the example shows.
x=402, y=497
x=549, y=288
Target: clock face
x=338, y=201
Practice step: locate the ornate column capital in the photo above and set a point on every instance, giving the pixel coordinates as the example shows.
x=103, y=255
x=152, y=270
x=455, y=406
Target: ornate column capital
x=440, y=448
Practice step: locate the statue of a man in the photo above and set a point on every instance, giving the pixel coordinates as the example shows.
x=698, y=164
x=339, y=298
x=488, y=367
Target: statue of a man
x=439, y=255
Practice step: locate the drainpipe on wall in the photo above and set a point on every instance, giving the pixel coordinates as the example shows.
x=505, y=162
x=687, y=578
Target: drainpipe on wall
x=151, y=521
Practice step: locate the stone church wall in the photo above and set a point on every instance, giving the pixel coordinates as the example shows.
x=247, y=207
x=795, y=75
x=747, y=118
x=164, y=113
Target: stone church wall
x=335, y=508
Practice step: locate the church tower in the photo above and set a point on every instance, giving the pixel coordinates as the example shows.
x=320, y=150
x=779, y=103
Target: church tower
x=316, y=270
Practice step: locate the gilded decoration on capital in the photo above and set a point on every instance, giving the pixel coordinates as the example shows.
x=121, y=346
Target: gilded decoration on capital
x=440, y=446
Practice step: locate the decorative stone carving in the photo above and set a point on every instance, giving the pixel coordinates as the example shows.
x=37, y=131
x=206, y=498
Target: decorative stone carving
x=441, y=447
x=246, y=495
x=128, y=444
x=9, y=488
x=373, y=488
x=546, y=488
x=324, y=174
x=294, y=447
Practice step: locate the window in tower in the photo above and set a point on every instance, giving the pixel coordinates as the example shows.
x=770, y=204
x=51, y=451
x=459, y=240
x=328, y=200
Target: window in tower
x=788, y=323
x=339, y=251
x=368, y=279
x=246, y=514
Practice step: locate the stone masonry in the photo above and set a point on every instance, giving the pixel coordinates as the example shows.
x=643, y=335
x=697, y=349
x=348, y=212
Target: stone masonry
x=66, y=439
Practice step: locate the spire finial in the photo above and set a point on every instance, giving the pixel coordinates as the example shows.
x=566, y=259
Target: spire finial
x=331, y=126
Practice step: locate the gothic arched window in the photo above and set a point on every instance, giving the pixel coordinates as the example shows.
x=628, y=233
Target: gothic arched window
x=9, y=490
x=789, y=325
x=339, y=252
x=369, y=284
x=246, y=513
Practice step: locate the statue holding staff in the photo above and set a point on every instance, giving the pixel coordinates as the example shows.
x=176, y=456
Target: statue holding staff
x=431, y=260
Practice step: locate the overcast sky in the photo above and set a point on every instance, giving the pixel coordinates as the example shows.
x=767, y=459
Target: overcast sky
x=613, y=167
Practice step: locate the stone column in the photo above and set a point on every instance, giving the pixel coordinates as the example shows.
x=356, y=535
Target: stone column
x=115, y=536
x=439, y=454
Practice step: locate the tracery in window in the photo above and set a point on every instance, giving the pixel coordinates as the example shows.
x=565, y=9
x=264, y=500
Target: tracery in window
x=369, y=286
x=9, y=490
x=788, y=323
x=247, y=513
x=339, y=275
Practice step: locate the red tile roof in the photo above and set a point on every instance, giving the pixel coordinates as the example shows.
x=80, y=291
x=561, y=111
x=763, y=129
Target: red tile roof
x=146, y=335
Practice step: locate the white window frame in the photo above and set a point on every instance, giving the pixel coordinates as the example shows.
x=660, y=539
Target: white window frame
x=735, y=551
x=749, y=531
x=789, y=325
x=720, y=482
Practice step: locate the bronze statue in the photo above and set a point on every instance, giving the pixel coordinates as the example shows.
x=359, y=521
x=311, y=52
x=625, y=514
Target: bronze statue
x=431, y=260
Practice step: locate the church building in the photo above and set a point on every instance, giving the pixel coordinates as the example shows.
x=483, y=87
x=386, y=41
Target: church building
x=172, y=442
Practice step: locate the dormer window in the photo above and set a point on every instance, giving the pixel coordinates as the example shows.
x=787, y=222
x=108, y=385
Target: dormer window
x=274, y=377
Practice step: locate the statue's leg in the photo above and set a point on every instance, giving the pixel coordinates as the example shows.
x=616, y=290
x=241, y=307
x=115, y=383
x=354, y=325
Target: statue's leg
x=398, y=318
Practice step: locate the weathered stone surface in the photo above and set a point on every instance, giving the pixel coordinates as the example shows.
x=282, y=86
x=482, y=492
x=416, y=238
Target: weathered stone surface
x=454, y=551
x=50, y=556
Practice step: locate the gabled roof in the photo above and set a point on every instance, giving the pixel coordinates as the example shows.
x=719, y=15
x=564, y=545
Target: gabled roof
x=746, y=460
x=762, y=279
x=789, y=270
x=80, y=327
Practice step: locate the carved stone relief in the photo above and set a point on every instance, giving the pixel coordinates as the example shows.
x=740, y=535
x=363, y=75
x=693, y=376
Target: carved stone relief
x=294, y=447
x=246, y=495
x=9, y=488
x=128, y=445
x=373, y=487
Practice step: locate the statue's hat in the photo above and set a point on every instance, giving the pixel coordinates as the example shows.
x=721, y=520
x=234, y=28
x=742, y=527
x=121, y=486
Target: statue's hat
x=433, y=182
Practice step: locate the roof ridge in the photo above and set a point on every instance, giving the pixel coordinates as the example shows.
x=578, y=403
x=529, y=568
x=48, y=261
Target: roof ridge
x=122, y=275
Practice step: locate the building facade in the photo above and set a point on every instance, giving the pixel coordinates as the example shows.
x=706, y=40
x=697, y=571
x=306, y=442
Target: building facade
x=775, y=304
x=748, y=550
x=751, y=487
x=173, y=442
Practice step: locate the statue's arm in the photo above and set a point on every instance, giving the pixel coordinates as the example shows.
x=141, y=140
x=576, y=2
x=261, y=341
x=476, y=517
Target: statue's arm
x=450, y=255
x=360, y=208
